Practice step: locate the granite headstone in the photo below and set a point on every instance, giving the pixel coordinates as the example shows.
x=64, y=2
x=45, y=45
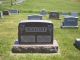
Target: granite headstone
x=6, y=12
x=34, y=17
x=14, y=11
x=35, y=36
x=37, y=32
x=43, y=12
x=70, y=21
x=77, y=43
x=53, y=15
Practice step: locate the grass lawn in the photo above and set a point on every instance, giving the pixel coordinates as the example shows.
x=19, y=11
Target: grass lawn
x=49, y=5
x=65, y=37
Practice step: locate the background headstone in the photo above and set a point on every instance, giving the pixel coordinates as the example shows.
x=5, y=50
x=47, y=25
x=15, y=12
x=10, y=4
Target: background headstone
x=77, y=43
x=70, y=22
x=65, y=14
x=75, y=14
x=35, y=17
x=53, y=15
x=1, y=15
x=43, y=12
x=14, y=11
x=6, y=13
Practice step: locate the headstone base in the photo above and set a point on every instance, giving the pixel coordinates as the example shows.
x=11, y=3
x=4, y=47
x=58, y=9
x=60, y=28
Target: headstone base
x=69, y=26
x=35, y=48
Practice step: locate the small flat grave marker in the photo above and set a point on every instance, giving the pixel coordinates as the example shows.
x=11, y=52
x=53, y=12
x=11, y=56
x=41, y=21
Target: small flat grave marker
x=65, y=14
x=75, y=14
x=53, y=15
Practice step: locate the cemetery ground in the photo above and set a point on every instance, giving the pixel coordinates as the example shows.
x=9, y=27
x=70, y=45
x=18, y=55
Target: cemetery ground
x=65, y=38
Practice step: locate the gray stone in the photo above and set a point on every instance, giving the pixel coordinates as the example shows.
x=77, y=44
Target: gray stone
x=75, y=14
x=53, y=15
x=77, y=43
x=65, y=14
x=14, y=11
x=35, y=17
x=6, y=12
x=1, y=15
x=48, y=48
x=35, y=36
x=70, y=22
x=35, y=32
x=43, y=12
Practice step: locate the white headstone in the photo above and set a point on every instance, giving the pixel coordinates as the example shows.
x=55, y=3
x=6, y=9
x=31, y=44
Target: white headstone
x=1, y=15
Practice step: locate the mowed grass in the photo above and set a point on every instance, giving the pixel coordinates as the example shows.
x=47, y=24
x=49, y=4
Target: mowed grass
x=49, y=5
x=65, y=38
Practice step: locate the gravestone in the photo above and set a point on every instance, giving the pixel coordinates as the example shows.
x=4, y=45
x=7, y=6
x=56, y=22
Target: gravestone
x=35, y=36
x=35, y=17
x=77, y=43
x=1, y=15
x=43, y=12
x=70, y=22
x=40, y=32
x=65, y=14
x=75, y=14
x=6, y=12
x=14, y=11
x=53, y=15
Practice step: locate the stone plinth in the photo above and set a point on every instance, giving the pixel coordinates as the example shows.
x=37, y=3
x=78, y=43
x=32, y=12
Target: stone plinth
x=35, y=48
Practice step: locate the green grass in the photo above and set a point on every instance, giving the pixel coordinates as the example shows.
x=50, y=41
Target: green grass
x=49, y=5
x=65, y=37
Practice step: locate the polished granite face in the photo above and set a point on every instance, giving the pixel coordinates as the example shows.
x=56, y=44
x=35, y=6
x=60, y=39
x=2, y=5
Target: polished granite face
x=37, y=32
x=70, y=21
